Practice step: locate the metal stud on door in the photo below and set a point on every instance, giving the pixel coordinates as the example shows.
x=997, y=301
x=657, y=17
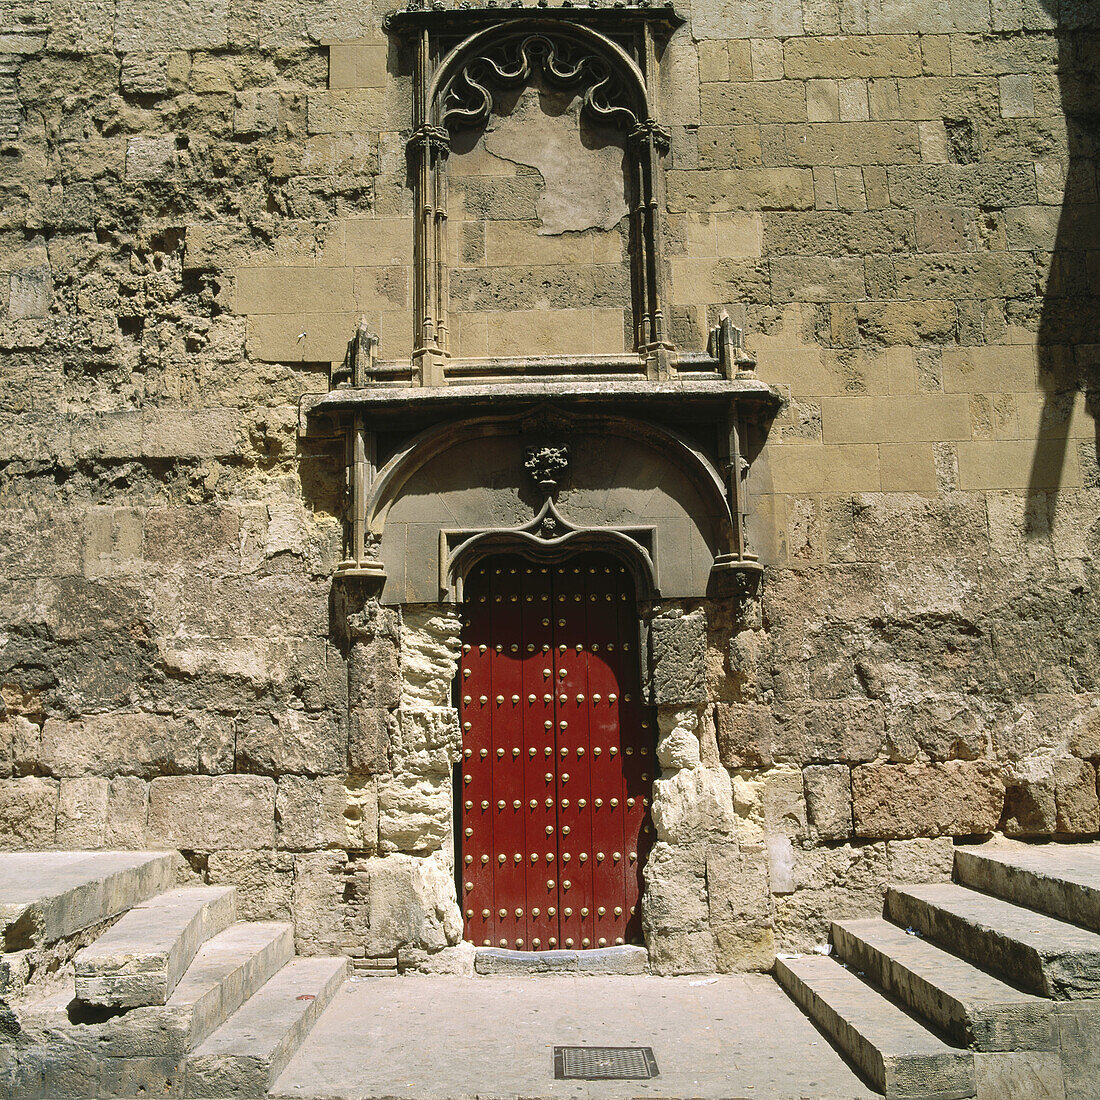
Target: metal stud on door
x=557, y=763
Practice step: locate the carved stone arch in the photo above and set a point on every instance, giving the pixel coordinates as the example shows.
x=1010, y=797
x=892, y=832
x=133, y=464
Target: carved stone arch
x=463, y=89
x=460, y=551
x=462, y=493
x=463, y=58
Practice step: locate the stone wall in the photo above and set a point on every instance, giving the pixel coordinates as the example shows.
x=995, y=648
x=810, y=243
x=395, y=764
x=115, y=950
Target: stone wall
x=897, y=201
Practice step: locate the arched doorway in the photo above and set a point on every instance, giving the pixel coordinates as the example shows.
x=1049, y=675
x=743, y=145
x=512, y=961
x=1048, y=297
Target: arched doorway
x=557, y=755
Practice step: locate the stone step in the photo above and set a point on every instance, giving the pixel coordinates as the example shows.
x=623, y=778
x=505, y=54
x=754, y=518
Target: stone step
x=140, y=959
x=1031, y=951
x=47, y=896
x=973, y=1008
x=226, y=971
x=899, y=1058
x=245, y=1055
x=1061, y=880
x=623, y=959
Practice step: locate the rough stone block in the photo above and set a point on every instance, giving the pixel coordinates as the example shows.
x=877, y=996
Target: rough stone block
x=739, y=907
x=263, y=879
x=209, y=813
x=292, y=741
x=854, y=55
x=678, y=656
x=946, y=727
x=309, y=813
x=675, y=897
x=188, y=536
x=908, y=800
x=136, y=744
x=414, y=812
x=371, y=731
x=829, y=800
x=82, y=813
x=923, y=859
x=374, y=672
x=151, y=158
x=427, y=741
x=678, y=738
x=411, y=902
x=740, y=189
x=782, y=802
x=361, y=813
x=185, y=25
x=830, y=883
x=691, y=803
x=759, y=19
x=429, y=656
x=176, y=433
x=850, y=730
x=28, y=812
x=1029, y=801
x=144, y=74
x=746, y=734
x=1075, y=799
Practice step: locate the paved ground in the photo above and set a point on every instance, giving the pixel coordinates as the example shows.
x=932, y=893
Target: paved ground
x=437, y=1038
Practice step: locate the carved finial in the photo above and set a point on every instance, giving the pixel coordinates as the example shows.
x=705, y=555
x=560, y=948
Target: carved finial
x=727, y=345
x=364, y=353
x=547, y=465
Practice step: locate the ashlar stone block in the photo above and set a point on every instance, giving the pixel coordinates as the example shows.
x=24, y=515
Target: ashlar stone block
x=957, y=798
x=82, y=812
x=371, y=731
x=678, y=655
x=212, y=812
x=28, y=812
x=309, y=813
x=829, y=800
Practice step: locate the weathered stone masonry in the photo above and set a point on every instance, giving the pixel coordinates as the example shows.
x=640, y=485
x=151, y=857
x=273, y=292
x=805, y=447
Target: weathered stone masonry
x=199, y=201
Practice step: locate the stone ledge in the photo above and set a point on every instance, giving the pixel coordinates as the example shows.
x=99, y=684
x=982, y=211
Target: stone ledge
x=626, y=959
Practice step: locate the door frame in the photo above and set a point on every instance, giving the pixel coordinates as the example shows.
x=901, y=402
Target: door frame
x=488, y=550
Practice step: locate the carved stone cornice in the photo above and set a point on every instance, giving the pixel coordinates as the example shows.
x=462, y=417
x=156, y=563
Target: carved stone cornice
x=466, y=17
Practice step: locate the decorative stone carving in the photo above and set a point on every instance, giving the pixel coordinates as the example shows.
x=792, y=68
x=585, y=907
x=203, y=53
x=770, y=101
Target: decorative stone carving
x=547, y=465
x=512, y=62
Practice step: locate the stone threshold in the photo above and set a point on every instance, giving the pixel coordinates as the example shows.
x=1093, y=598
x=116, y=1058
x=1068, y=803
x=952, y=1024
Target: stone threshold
x=625, y=959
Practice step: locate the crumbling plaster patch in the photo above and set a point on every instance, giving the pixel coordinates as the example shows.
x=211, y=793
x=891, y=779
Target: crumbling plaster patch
x=581, y=165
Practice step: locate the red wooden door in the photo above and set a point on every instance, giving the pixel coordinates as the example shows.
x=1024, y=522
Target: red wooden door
x=557, y=758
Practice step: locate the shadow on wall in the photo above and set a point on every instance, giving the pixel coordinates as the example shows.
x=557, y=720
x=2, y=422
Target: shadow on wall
x=1069, y=324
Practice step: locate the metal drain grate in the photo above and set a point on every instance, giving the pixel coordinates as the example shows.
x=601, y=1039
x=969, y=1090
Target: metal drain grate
x=604, y=1063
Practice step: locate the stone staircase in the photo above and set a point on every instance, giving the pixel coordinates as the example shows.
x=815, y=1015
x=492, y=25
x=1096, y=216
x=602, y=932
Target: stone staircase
x=986, y=987
x=115, y=983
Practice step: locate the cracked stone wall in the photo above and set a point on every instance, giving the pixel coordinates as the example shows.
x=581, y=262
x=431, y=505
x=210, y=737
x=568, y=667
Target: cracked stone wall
x=897, y=201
